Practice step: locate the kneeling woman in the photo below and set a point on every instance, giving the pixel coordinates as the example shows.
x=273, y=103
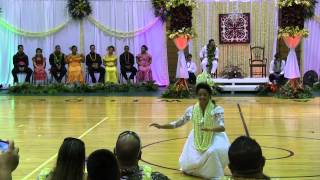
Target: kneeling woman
x=205, y=153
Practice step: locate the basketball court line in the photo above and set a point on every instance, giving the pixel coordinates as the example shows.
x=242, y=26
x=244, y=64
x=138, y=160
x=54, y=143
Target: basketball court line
x=55, y=155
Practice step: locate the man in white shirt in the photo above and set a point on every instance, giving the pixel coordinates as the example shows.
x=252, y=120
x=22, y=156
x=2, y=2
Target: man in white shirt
x=192, y=70
x=276, y=70
x=204, y=57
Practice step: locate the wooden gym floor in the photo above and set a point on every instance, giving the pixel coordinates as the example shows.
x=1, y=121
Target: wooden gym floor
x=288, y=131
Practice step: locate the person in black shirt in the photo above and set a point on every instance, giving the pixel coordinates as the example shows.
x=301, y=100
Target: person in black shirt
x=21, y=63
x=127, y=64
x=56, y=60
x=93, y=61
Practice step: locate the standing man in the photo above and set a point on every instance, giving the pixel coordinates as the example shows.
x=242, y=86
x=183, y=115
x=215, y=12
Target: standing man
x=21, y=63
x=276, y=70
x=206, y=51
x=192, y=69
x=94, y=61
x=56, y=60
x=127, y=64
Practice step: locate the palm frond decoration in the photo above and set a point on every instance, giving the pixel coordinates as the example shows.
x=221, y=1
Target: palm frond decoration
x=79, y=9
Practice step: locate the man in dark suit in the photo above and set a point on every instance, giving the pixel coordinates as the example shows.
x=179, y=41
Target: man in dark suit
x=21, y=65
x=94, y=61
x=127, y=64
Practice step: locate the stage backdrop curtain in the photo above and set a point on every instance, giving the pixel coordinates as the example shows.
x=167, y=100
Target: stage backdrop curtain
x=113, y=22
x=264, y=27
x=311, y=44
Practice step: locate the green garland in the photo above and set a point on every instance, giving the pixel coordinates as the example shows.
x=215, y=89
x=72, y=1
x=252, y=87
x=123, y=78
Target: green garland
x=54, y=89
x=210, y=55
x=171, y=92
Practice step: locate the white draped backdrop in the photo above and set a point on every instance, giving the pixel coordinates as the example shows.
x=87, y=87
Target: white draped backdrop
x=117, y=22
x=311, y=48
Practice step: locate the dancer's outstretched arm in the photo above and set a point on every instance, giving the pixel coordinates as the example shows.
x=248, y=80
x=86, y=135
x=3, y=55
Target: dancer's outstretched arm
x=175, y=124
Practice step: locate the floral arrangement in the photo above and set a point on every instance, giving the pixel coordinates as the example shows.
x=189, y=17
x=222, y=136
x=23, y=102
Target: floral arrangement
x=231, y=71
x=187, y=32
x=267, y=89
x=287, y=92
x=160, y=9
x=173, y=92
x=54, y=89
x=176, y=3
x=292, y=32
x=288, y=3
x=79, y=9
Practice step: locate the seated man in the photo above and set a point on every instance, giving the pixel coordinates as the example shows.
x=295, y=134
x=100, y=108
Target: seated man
x=246, y=159
x=127, y=64
x=210, y=48
x=93, y=61
x=9, y=161
x=21, y=63
x=56, y=60
x=277, y=70
x=101, y=165
x=192, y=69
x=128, y=153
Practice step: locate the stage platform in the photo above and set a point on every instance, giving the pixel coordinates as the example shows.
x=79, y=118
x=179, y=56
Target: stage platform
x=240, y=85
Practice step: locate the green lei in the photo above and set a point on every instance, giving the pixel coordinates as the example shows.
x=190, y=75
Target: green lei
x=202, y=139
x=57, y=59
x=210, y=55
x=205, y=77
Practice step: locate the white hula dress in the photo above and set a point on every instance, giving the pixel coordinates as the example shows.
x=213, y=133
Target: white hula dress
x=211, y=163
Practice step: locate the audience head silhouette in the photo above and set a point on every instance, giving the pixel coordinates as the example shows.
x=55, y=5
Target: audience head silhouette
x=102, y=165
x=246, y=159
x=70, y=161
x=128, y=149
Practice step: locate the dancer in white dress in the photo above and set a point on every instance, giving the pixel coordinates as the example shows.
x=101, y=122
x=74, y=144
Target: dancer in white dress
x=205, y=153
x=204, y=57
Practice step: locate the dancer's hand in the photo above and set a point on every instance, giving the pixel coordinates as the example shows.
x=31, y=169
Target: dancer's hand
x=155, y=125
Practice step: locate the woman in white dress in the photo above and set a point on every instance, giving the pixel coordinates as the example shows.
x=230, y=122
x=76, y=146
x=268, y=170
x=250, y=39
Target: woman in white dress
x=205, y=153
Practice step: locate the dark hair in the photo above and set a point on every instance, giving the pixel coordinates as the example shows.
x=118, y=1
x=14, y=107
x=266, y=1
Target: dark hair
x=57, y=46
x=245, y=156
x=38, y=49
x=126, y=46
x=20, y=46
x=102, y=165
x=70, y=161
x=204, y=86
x=111, y=47
x=211, y=40
x=128, y=147
x=189, y=55
x=74, y=46
x=92, y=45
x=145, y=47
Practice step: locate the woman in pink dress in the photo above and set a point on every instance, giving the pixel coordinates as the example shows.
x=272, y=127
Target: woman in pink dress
x=144, y=61
x=39, y=64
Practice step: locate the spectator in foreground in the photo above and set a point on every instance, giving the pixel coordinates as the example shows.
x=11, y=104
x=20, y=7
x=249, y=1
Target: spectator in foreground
x=128, y=153
x=103, y=165
x=70, y=162
x=246, y=159
x=9, y=161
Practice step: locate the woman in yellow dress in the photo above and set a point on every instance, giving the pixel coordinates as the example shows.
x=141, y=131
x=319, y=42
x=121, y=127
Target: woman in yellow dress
x=74, y=60
x=110, y=62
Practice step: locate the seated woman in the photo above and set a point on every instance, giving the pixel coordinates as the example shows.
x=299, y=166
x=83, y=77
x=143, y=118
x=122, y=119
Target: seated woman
x=70, y=162
x=74, y=60
x=39, y=64
x=205, y=153
x=144, y=61
x=110, y=62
